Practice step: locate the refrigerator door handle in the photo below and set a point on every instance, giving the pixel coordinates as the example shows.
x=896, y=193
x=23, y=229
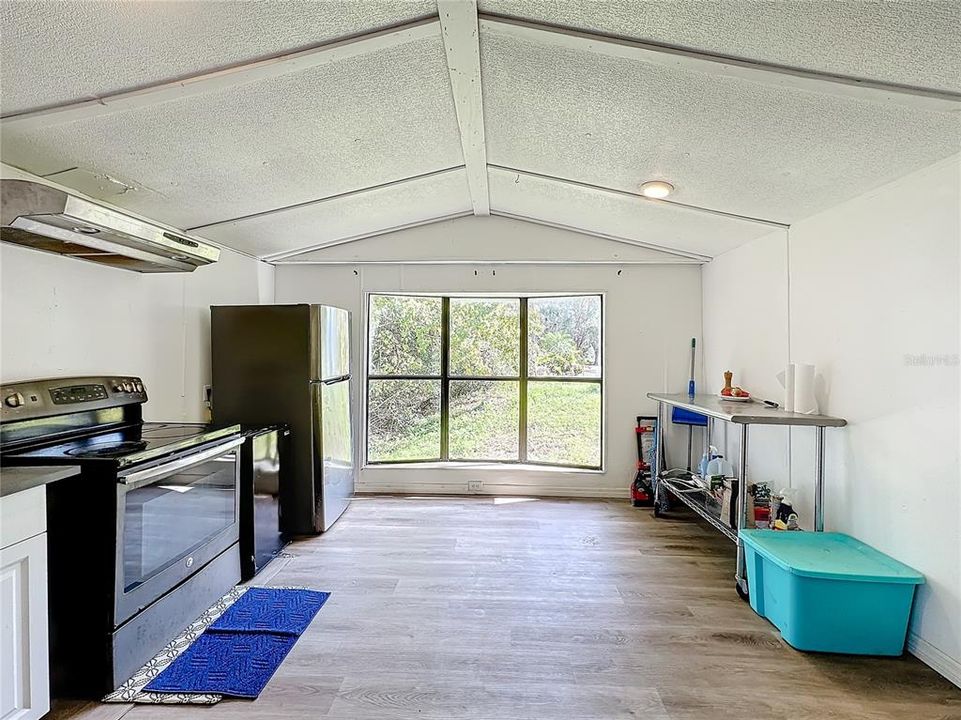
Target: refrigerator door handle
x=332, y=381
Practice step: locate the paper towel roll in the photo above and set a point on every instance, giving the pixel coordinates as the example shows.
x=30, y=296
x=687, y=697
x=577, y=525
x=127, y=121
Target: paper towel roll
x=804, y=399
x=789, y=381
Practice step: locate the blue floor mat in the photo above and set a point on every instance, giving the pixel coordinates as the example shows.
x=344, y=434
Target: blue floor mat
x=239, y=652
x=272, y=610
x=236, y=664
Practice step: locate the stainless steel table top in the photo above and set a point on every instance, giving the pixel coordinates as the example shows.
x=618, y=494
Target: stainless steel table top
x=744, y=413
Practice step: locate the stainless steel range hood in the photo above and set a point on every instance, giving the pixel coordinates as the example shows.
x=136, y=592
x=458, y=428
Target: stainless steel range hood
x=44, y=218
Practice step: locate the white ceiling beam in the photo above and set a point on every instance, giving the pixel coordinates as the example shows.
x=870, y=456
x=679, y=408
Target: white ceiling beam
x=724, y=66
x=325, y=199
x=458, y=23
x=488, y=262
x=637, y=196
x=220, y=79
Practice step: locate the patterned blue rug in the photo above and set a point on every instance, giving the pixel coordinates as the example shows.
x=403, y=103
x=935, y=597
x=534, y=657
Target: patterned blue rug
x=286, y=612
x=239, y=653
x=236, y=664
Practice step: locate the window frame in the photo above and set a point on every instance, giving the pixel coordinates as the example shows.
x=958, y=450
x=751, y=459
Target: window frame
x=522, y=379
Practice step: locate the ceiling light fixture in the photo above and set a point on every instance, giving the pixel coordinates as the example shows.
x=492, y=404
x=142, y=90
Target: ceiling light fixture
x=657, y=189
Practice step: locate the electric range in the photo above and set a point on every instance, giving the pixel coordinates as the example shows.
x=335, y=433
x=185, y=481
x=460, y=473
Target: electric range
x=142, y=540
x=122, y=446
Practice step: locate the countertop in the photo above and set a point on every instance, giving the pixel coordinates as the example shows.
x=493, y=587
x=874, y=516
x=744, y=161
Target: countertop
x=17, y=479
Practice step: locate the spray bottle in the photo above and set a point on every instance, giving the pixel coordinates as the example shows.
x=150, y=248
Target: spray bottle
x=705, y=459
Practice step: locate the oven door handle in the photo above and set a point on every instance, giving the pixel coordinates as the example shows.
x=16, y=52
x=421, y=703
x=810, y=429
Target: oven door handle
x=137, y=479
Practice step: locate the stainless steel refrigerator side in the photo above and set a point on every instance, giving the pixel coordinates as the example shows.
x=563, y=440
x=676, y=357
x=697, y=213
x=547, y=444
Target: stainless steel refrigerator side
x=315, y=342
x=332, y=448
x=334, y=343
x=334, y=452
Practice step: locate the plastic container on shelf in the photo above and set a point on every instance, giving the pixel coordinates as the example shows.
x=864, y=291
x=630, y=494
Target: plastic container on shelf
x=719, y=466
x=828, y=592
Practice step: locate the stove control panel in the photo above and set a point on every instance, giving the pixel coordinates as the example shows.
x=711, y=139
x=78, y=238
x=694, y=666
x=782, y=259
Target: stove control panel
x=77, y=393
x=55, y=396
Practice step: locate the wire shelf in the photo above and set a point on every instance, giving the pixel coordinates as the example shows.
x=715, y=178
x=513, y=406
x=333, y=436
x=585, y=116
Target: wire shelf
x=696, y=501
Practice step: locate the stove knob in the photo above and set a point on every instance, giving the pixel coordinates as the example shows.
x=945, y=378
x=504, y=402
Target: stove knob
x=118, y=387
x=128, y=387
x=15, y=400
x=139, y=387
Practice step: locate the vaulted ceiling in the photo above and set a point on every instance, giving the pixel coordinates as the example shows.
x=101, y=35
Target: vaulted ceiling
x=285, y=127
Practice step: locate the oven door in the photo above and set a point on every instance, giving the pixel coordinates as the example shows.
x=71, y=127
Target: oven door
x=172, y=519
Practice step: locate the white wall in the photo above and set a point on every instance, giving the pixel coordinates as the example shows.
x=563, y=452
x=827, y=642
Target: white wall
x=745, y=306
x=480, y=239
x=869, y=292
x=652, y=311
x=62, y=316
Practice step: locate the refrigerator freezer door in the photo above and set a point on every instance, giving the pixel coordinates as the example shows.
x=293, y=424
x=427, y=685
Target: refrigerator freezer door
x=334, y=339
x=336, y=448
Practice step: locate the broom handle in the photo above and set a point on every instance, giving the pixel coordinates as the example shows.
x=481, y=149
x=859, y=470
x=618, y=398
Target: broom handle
x=690, y=383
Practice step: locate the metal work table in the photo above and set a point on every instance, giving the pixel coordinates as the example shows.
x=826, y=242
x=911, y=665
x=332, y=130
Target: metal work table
x=744, y=414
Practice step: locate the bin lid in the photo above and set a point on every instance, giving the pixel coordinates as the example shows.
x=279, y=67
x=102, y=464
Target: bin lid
x=829, y=555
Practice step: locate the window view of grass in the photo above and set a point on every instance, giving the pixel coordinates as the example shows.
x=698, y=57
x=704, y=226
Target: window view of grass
x=564, y=423
x=484, y=418
x=405, y=418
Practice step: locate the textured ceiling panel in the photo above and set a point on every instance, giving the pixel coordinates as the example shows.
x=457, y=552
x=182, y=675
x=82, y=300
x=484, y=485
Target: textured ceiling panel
x=339, y=127
x=727, y=144
x=331, y=220
x=912, y=43
x=57, y=52
x=487, y=239
x=640, y=220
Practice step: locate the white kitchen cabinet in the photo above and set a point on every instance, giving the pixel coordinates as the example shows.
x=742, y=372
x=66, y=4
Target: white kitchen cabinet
x=24, y=661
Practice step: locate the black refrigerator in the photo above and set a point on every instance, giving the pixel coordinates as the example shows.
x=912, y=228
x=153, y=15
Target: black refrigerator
x=291, y=364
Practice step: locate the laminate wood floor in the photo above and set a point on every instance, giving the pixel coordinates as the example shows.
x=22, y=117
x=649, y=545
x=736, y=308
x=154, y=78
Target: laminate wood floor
x=510, y=609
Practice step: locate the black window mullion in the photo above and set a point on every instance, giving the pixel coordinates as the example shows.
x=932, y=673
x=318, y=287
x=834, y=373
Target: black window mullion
x=445, y=379
x=522, y=387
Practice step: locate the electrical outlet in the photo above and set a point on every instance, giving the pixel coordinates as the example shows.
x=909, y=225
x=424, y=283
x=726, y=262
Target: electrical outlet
x=474, y=486
x=208, y=395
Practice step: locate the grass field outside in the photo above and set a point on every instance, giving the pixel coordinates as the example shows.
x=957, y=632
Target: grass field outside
x=564, y=424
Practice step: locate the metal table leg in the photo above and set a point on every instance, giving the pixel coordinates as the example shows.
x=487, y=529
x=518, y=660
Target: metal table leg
x=740, y=576
x=819, y=480
x=659, y=494
x=707, y=438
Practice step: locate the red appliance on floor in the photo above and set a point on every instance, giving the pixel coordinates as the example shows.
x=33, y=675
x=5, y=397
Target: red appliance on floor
x=642, y=491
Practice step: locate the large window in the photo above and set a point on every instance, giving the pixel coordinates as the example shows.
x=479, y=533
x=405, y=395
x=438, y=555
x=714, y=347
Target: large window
x=500, y=379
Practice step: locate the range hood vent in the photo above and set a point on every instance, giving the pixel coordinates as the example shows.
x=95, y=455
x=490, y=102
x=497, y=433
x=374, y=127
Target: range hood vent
x=41, y=217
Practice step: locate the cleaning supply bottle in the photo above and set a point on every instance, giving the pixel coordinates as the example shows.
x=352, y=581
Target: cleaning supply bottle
x=705, y=459
x=719, y=466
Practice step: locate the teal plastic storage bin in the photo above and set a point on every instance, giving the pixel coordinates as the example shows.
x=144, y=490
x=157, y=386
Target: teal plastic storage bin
x=829, y=592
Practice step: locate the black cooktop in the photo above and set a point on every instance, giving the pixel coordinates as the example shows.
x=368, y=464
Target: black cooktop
x=125, y=445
